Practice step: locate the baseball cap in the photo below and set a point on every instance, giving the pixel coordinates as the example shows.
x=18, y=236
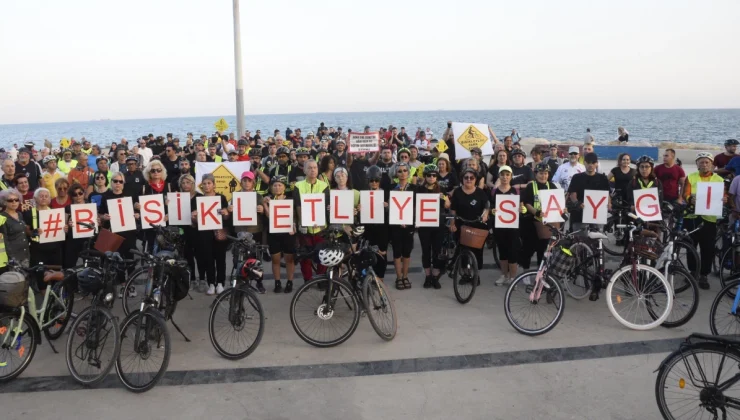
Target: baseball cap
x=504, y=168
x=247, y=174
x=101, y=158
x=573, y=149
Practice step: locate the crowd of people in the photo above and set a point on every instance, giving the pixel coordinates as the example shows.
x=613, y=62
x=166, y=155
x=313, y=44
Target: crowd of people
x=287, y=164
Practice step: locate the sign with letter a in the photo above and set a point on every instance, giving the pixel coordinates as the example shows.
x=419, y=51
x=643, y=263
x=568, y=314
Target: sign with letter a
x=553, y=205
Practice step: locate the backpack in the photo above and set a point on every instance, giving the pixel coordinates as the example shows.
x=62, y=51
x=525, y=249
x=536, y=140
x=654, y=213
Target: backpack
x=177, y=284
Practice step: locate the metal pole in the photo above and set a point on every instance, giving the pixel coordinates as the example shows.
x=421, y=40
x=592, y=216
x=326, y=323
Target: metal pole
x=238, y=72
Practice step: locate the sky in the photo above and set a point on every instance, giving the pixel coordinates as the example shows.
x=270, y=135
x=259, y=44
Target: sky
x=83, y=60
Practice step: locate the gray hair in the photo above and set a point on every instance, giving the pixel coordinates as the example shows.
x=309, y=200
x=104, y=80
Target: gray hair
x=208, y=177
x=308, y=162
x=38, y=192
x=5, y=194
x=149, y=168
x=185, y=177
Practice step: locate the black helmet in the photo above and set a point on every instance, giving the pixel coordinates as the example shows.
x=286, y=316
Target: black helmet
x=255, y=151
x=542, y=167
x=282, y=151
x=731, y=142
x=302, y=151
x=518, y=152
x=279, y=178
x=90, y=280
x=645, y=159
x=374, y=173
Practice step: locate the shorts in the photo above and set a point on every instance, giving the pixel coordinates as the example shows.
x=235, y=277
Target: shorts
x=281, y=243
x=403, y=241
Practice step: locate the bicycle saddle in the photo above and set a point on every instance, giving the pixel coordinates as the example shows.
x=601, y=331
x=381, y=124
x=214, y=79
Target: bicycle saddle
x=596, y=235
x=50, y=276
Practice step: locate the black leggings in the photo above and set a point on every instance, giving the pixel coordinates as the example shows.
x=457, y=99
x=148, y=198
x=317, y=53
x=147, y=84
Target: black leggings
x=191, y=242
x=704, y=239
x=431, y=245
x=72, y=249
x=403, y=241
x=508, y=243
x=49, y=256
x=529, y=238
x=212, y=257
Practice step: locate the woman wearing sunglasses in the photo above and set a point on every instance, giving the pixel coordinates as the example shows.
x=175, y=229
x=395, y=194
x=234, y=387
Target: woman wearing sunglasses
x=73, y=246
x=378, y=235
x=155, y=175
x=96, y=190
x=62, y=199
x=13, y=227
x=431, y=238
x=470, y=202
x=402, y=236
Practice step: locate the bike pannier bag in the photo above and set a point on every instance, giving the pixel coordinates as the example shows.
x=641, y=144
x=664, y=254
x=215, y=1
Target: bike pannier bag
x=13, y=290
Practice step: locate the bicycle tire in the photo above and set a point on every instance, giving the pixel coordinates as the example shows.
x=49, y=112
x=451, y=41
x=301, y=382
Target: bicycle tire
x=28, y=349
x=614, y=250
x=727, y=267
x=682, y=383
x=519, y=286
x=585, y=269
x=684, y=297
x=658, y=319
x=376, y=298
x=135, y=281
x=472, y=277
x=496, y=258
x=67, y=295
x=78, y=330
x=152, y=318
x=225, y=298
x=311, y=287
x=722, y=307
x=690, y=249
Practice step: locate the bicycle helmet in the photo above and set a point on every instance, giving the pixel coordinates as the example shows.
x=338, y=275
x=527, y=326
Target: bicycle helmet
x=283, y=151
x=731, y=142
x=431, y=169
x=330, y=257
x=403, y=150
x=542, y=167
x=704, y=155
x=90, y=280
x=279, y=178
x=302, y=151
x=255, y=151
x=358, y=230
x=252, y=269
x=48, y=159
x=518, y=152
x=645, y=159
x=374, y=173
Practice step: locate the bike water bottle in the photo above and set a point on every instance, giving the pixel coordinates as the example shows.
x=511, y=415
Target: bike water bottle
x=156, y=294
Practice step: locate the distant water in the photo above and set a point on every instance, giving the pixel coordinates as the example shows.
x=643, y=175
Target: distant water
x=682, y=126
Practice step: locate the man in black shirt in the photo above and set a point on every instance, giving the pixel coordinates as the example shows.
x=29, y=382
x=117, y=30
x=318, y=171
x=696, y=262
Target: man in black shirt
x=134, y=179
x=520, y=173
x=358, y=170
x=589, y=180
x=28, y=168
x=157, y=145
x=403, y=136
x=171, y=163
x=340, y=156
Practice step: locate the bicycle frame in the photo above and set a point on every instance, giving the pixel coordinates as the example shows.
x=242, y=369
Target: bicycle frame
x=730, y=402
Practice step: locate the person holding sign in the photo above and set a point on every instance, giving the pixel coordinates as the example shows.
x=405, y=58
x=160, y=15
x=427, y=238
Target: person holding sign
x=342, y=182
x=536, y=238
x=589, y=180
x=281, y=244
x=310, y=235
x=431, y=238
x=73, y=246
x=644, y=178
x=704, y=237
x=129, y=236
x=212, y=244
x=470, y=202
x=187, y=185
x=378, y=235
x=46, y=253
x=13, y=228
x=402, y=237
x=156, y=183
x=507, y=239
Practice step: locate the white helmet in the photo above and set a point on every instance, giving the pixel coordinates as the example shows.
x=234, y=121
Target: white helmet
x=330, y=257
x=358, y=230
x=702, y=155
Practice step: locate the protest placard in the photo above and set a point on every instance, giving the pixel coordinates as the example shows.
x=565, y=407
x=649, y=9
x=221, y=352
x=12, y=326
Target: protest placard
x=469, y=135
x=709, y=198
x=152, y=211
x=401, y=208
x=647, y=204
x=363, y=142
x=51, y=225
x=86, y=213
x=372, y=210
x=553, y=205
x=427, y=210
x=507, y=211
x=121, y=212
x=342, y=206
x=179, y=212
x=281, y=216
x=209, y=213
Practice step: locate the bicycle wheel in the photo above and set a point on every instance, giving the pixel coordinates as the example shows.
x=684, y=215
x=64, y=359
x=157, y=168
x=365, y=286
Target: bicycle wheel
x=236, y=323
x=60, y=307
x=612, y=247
x=145, y=350
x=729, y=266
x=136, y=283
x=578, y=281
x=685, y=297
x=496, y=259
x=16, y=352
x=685, y=252
x=721, y=319
x=93, y=345
x=381, y=311
x=639, y=300
x=323, y=322
x=533, y=316
x=465, y=276
x=697, y=380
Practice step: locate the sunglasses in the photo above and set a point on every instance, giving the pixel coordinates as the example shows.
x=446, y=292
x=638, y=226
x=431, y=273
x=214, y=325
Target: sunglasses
x=573, y=154
x=469, y=178
x=12, y=200
x=78, y=194
x=62, y=188
x=374, y=180
x=100, y=177
x=117, y=181
x=156, y=170
x=400, y=171
x=431, y=175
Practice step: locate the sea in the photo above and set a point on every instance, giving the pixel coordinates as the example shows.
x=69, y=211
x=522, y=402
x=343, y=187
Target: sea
x=683, y=126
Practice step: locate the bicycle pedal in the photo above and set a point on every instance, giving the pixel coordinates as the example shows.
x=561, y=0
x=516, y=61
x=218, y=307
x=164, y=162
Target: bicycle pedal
x=363, y=314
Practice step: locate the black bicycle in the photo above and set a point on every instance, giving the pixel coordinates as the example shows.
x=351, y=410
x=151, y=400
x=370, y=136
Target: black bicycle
x=462, y=268
x=701, y=377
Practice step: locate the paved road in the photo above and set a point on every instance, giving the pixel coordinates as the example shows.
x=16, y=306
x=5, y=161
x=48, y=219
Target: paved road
x=447, y=361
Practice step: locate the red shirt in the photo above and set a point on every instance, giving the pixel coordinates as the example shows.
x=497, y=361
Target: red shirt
x=242, y=158
x=721, y=160
x=56, y=205
x=669, y=178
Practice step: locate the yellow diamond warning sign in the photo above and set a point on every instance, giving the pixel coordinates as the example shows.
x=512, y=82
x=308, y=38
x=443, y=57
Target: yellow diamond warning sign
x=221, y=125
x=226, y=182
x=472, y=137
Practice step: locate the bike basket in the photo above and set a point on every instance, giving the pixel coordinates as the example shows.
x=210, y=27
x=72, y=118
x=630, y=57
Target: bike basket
x=561, y=262
x=13, y=290
x=472, y=237
x=647, y=247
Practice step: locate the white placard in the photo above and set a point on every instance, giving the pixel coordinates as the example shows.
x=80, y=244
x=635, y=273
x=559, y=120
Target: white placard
x=313, y=210
x=709, y=198
x=371, y=207
x=121, y=212
x=87, y=213
x=342, y=206
x=209, y=213
x=595, y=207
x=152, y=211
x=363, y=142
x=51, y=225
x=470, y=135
x=507, y=211
x=179, y=212
x=427, y=210
x=401, y=208
x=553, y=205
x=647, y=204
x=245, y=208
x=281, y=216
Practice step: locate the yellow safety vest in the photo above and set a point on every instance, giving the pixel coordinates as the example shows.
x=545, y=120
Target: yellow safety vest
x=2, y=185
x=3, y=254
x=695, y=178
x=643, y=186
x=305, y=188
x=34, y=223
x=536, y=204
x=65, y=167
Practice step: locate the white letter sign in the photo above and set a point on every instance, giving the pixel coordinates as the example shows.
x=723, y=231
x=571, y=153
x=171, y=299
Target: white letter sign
x=313, y=210
x=87, y=213
x=121, y=212
x=552, y=203
x=401, y=208
x=209, y=213
x=342, y=204
x=427, y=210
x=245, y=208
x=371, y=207
x=647, y=205
x=709, y=198
x=152, y=211
x=179, y=212
x=507, y=211
x=281, y=216
x=595, y=207
x=363, y=142
x=51, y=225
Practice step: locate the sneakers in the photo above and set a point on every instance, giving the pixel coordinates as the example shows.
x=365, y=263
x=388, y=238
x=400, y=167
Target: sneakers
x=203, y=286
x=132, y=292
x=120, y=293
x=219, y=289
x=260, y=288
x=435, y=282
x=703, y=283
x=278, y=287
x=211, y=289
x=288, y=286
x=501, y=280
x=428, y=282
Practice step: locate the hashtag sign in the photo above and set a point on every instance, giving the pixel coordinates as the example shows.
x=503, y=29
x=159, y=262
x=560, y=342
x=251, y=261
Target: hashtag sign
x=52, y=225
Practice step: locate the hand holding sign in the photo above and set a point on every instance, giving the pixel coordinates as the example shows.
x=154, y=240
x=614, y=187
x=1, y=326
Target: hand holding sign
x=553, y=203
x=371, y=207
x=507, y=211
x=595, y=207
x=709, y=197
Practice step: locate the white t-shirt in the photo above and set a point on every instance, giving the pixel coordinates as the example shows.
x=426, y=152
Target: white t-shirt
x=429, y=134
x=146, y=155
x=588, y=138
x=565, y=172
x=422, y=146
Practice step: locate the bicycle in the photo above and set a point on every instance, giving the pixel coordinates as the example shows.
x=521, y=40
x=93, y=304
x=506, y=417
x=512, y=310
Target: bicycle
x=463, y=267
x=729, y=257
x=146, y=340
x=234, y=311
x=333, y=302
x=21, y=334
x=693, y=380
